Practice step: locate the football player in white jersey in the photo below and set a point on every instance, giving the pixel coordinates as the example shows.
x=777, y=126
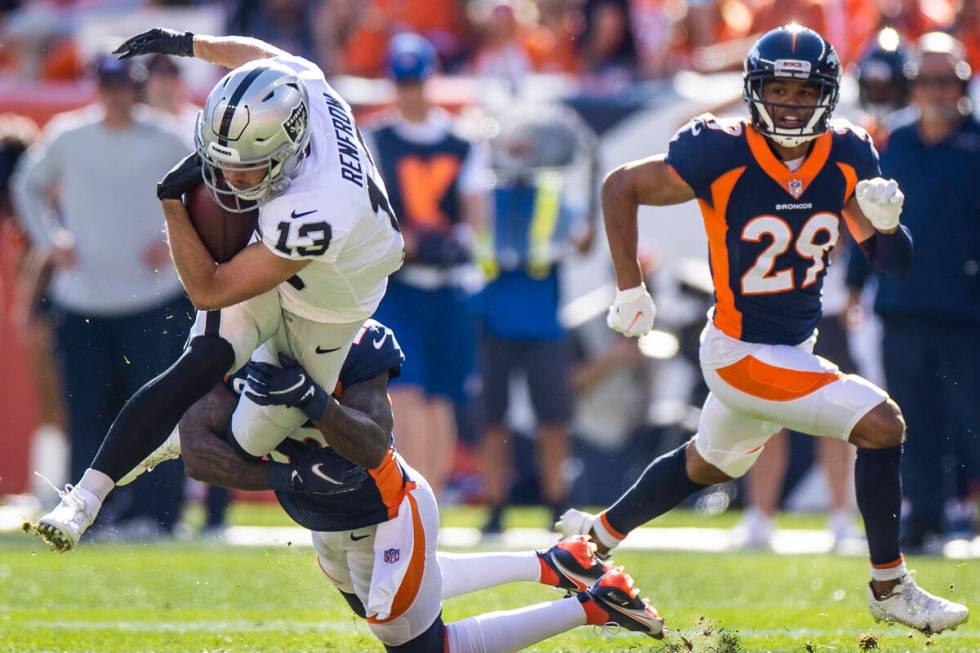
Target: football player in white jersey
x=275, y=135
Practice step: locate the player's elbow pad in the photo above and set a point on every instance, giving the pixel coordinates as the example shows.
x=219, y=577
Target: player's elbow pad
x=890, y=253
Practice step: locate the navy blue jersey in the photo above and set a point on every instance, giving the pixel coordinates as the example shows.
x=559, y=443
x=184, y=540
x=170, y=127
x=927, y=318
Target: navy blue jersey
x=374, y=351
x=770, y=230
x=423, y=185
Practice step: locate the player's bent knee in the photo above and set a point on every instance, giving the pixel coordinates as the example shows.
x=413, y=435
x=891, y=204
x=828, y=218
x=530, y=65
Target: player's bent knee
x=209, y=355
x=881, y=428
x=433, y=640
x=700, y=470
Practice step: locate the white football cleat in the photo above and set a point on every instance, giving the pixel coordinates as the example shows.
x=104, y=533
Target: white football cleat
x=913, y=606
x=575, y=522
x=169, y=450
x=62, y=527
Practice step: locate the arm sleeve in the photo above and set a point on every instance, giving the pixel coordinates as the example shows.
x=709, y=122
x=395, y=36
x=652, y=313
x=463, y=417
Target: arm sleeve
x=890, y=254
x=33, y=179
x=858, y=269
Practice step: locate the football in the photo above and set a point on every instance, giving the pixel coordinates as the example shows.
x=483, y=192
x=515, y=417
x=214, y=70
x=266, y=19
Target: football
x=224, y=233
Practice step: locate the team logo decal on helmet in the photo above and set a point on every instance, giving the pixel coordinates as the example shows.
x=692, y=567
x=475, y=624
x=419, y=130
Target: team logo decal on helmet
x=295, y=125
x=791, y=52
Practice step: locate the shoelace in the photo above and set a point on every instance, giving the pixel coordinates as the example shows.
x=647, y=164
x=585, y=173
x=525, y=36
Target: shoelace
x=65, y=495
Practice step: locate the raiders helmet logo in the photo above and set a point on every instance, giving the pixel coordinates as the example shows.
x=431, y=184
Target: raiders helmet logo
x=295, y=125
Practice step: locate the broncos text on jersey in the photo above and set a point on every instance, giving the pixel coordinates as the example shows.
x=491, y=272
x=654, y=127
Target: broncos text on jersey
x=770, y=230
x=374, y=350
x=335, y=213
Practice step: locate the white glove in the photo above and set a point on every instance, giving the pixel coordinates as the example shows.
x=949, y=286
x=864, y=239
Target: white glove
x=881, y=201
x=632, y=312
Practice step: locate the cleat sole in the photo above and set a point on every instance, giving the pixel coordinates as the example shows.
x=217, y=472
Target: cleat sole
x=53, y=537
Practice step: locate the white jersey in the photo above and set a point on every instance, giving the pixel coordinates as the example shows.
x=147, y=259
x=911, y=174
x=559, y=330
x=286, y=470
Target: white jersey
x=334, y=213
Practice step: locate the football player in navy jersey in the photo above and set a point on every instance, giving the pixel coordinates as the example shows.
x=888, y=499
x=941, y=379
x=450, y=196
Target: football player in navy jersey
x=774, y=192
x=374, y=519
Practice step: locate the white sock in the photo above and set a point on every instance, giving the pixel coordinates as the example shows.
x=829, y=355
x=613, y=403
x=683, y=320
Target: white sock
x=96, y=483
x=512, y=630
x=463, y=573
x=606, y=538
x=889, y=573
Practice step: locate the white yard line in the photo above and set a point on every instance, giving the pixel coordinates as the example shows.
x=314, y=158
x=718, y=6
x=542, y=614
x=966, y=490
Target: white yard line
x=710, y=540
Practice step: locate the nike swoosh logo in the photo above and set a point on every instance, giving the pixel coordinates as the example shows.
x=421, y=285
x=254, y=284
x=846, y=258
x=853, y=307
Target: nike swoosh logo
x=325, y=477
x=357, y=539
x=381, y=341
x=325, y=351
x=638, y=315
x=300, y=215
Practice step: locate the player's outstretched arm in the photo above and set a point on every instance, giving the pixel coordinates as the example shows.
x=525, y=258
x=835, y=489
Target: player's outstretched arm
x=650, y=182
x=207, y=456
x=232, y=51
x=359, y=426
x=228, y=51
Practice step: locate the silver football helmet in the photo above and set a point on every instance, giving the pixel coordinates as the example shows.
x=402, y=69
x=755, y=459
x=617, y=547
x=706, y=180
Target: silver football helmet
x=256, y=118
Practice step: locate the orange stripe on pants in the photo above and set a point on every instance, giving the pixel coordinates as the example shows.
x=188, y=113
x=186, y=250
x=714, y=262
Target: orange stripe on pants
x=412, y=581
x=752, y=376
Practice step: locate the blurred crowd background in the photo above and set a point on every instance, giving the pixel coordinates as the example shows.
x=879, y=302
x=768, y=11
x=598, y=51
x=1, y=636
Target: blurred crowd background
x=493, y=122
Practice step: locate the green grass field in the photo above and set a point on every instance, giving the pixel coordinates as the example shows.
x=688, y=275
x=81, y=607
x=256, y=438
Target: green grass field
x=205, y=596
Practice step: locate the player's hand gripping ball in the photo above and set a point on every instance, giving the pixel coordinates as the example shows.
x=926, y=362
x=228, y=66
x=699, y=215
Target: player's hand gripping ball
x=632, y=312
x=881, y=201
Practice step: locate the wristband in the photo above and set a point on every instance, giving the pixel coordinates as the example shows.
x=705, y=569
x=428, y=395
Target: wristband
x=315, y=406
x=281, y=477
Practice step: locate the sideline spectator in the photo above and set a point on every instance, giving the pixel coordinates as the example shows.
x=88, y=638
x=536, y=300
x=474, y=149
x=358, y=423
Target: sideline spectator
x=120, y=310
x=607, y=46
x=534, y=215
x=437, y=182
x=931, y=318
x=166, y=92
x=30, y=312
x=286, y=24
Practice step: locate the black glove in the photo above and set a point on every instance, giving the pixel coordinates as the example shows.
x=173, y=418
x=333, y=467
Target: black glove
x=321, y=471
x=157, y=40
x=182, y=178
x=289, y=385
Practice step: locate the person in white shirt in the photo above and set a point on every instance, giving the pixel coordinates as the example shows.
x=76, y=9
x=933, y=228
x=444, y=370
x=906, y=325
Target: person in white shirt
x=274, y=135
x=84, y=195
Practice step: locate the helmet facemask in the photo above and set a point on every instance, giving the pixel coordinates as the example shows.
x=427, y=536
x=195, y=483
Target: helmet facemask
x=278, y=173
x=817, y=115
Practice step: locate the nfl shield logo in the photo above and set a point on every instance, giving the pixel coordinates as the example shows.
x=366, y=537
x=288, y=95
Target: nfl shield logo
x=392, y=556
x=796, y=188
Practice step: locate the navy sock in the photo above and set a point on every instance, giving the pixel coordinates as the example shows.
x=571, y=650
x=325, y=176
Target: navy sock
x=662, y=486
x=151, y=414
x=878, y=484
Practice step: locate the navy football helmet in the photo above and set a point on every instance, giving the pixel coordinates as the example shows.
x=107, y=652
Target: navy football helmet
x=786, y=53
x=881, y=74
